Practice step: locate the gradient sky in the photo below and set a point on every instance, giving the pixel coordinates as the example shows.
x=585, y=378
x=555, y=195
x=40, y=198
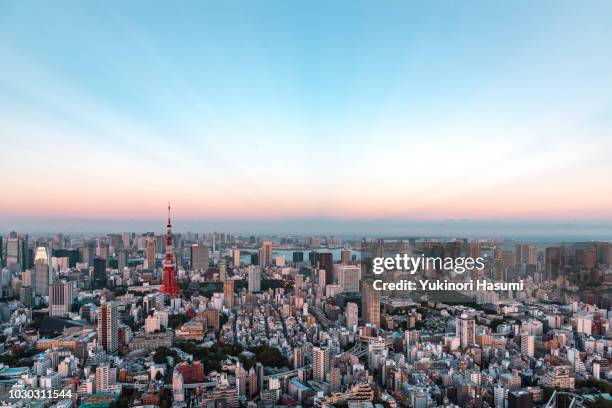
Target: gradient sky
x=427, y=110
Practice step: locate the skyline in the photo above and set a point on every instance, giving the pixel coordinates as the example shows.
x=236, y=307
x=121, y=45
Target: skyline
x=344, y=112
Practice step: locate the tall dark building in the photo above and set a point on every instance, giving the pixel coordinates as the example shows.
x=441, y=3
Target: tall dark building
x=99, y=277
x=553, y=262
x=326, y=262
x=313, y=258
x=298, y=256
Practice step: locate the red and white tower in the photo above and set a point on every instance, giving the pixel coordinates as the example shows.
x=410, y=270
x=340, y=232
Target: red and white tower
x=169, y=286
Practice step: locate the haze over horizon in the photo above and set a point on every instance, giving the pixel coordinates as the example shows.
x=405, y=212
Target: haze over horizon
x=552, y=231
x=425, y=111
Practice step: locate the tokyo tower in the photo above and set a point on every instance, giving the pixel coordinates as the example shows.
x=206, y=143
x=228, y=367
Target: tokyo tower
x=169, y=286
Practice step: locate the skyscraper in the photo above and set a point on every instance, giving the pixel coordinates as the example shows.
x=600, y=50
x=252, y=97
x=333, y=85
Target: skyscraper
x=60, y=298
x=326, y=262
x=348, y=277
x=267, y=253
x=199, y=257
x=370, y=299
x=236, y=258
x=99, y=273
x=466, y=330
x=351, y=315
x=254, y=279
x=345, y=256
x=169, y=286
x=321, y=363
x=41, y=272
x=228, y=293
x=108, y=327
x=150, y=250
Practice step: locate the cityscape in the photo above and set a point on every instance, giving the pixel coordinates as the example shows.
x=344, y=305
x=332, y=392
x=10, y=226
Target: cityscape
x=272, y=203
x=221, y=320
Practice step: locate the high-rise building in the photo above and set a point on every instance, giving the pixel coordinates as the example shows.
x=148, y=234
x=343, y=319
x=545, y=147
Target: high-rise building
x=345, y=256
x=122, y=258
x=527, y=344
x=519, y=399
x=236, y=258
x=321, y=363
x=222, y=270
x=298, y=357
x=370, y=300
x=228, y=293
x=103, y=250
x=41, y=272
x=553, y=262
x=13, y=254
x=348, y=277
x=25, y=295
x=326, y=262
x=60, y=298
x=99, y=273
x=105, y=377
x=466, y=330
x=150, y=251
x=199, y=257
x=351, y=315
x=267, y=253
x=108, y=327
x=254, y=279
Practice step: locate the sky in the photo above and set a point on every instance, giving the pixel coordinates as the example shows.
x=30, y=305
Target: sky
x=321, y=112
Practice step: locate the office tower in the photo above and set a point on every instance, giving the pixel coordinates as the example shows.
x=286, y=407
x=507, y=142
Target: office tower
x=2, y=264
x=313, y=258
x=508, y=259
x=169, y=286
x=352, y=315
x=298, y=256
x=25, y=295
x=236, y=258
x=108, y=327
x=552, y=262
x=228, y=293
x=326, y=262
x=254, y=279
x=322, y=278
x=41, y=272
x=222, y=270
x=527, y=344
x=466, y=330
x=121, y=260
x=103, y=250
x=150, y=250
x=321, y=363
x=267, y=253
x=370, y=300
x=13, y=254
x=298, y=357
x=88, y=252
x=345, y=256
x=474, y=249
x=348, y=277
x=99, y=273
x=60, y=298
x=199, y=257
